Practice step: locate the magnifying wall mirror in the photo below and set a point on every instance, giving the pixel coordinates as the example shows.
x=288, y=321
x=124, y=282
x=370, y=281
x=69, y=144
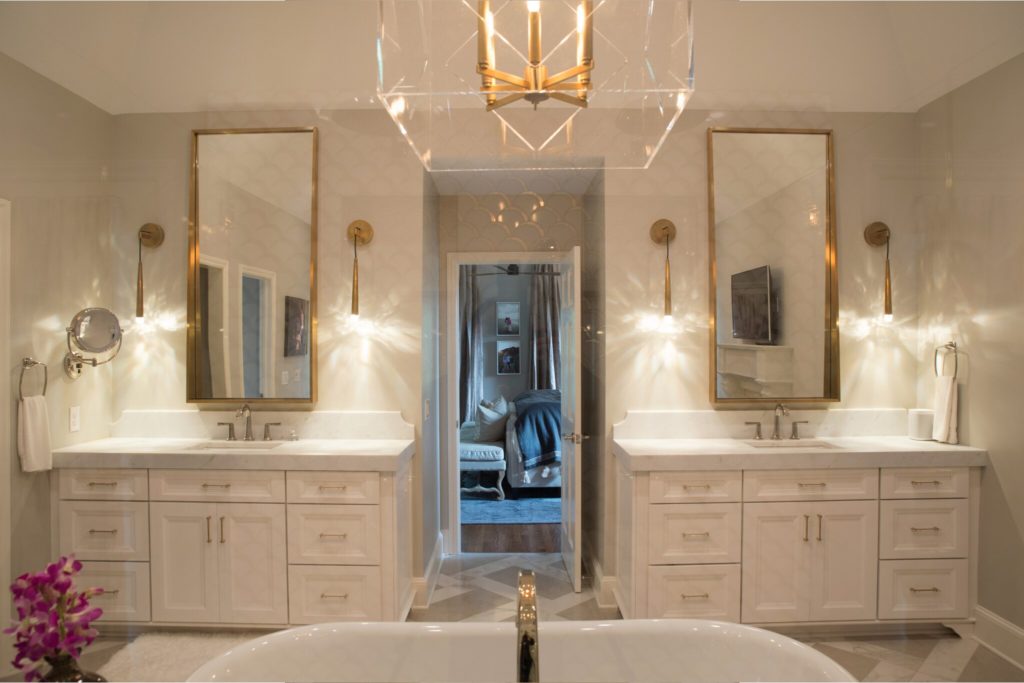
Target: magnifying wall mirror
x=95, y=331
x=252, y=267
x=772, y=236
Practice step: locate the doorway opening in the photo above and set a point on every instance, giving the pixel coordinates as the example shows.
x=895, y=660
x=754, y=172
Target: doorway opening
x=513, y=395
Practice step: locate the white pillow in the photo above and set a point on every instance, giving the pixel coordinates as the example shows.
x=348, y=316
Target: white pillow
x=490, y=420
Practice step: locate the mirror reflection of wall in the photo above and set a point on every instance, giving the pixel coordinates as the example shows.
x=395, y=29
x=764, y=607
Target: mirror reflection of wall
x=254, y=203
x=771, y=244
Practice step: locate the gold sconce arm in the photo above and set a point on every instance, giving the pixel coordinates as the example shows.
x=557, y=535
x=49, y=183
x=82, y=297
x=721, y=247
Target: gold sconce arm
x=663, y=231
x=150, y=235
x=360, y=233
x=878, y=234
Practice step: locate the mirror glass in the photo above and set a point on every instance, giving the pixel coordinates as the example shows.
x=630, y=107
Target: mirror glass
x=773, y=277
x=252, y=266
x=95, y=330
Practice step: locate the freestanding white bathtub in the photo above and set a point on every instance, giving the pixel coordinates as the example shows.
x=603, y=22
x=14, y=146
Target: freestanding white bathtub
x=638, y=651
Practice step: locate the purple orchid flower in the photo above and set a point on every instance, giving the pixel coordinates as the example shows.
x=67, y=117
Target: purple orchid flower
x=53, y=618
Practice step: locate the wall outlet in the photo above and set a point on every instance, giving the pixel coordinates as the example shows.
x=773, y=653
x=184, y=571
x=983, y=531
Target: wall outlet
x=75, y=418
x=297, y=375
x=284, y=378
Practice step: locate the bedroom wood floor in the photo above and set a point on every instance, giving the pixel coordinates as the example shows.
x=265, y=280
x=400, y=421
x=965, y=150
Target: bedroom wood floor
x=510, y=538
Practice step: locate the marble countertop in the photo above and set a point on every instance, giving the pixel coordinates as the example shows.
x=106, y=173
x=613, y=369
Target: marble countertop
x=644, y=455
x=354, y=455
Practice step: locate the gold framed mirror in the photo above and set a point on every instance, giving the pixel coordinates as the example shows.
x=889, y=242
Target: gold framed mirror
x=774, y=306
x=252, y=268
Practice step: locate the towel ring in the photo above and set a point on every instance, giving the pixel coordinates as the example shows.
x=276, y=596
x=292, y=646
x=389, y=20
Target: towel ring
x=27, y=364
x=945, y=348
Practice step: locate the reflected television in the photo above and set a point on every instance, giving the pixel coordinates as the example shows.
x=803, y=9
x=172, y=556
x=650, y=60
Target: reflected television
x=755, y=307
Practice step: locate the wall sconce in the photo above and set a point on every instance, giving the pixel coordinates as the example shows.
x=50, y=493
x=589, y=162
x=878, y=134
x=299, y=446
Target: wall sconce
x=878, y=234
x=663, y=231
x=361, y=234
x=150, y=235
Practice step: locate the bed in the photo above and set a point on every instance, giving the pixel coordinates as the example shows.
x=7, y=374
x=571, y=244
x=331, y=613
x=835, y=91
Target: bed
x=533, y=440
x=530, y=457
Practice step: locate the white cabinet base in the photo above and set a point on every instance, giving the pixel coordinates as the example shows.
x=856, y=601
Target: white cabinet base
x=328, y=593
x=706, y=591
x=922, y=589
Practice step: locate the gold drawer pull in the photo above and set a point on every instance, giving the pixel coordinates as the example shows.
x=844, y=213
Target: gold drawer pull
x=811, y=484
x=92, y=484
x=340, y=487
x=696, y=534
x=102, y=531
x=699, y=487
x=933, y=482
x=216, y=486
x=322, y=536
x=695, y=596
x=933, y=589
x=922, y=529
x=334, y=596
x=209, y=539
x=110, y=593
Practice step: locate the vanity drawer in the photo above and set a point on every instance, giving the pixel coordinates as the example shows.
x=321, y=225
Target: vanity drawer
x=923, y=529
x=709, y=591
x=696, y=487
x=232, y=486
x=125, y=587
x=922, y=589
x=694, y=534
x=322, y=594
x=103, y=530
x=950, y=482
x=102, y=484
x=782, y=485
x=351, y=488
x=334, y=534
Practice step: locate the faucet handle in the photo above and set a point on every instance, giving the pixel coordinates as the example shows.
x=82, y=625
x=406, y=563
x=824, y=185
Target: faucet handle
x=266, y=430
x=757, y=430
x=795, y=433
x=231, y=429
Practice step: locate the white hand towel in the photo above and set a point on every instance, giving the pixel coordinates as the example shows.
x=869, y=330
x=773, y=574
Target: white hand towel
x=945, y=426
x=34, y=435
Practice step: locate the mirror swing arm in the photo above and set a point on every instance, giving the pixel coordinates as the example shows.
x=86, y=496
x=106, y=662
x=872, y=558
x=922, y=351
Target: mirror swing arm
x=830, y=391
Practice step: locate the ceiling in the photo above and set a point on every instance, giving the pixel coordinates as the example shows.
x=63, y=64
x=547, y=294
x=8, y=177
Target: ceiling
x=135, y=57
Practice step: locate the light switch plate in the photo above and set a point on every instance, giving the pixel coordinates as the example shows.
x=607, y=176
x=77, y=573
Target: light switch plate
x=75, y=418
x=284, y=378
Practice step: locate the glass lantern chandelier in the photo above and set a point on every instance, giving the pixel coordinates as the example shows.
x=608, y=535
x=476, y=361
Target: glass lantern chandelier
x=473, y=84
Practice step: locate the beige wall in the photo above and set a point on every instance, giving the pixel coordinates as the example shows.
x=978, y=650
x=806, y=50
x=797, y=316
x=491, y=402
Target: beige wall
x=971, y=213
x=365, y=171
x=53, y=170
x=649, y=369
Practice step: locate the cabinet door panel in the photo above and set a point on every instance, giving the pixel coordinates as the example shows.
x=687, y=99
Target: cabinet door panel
x=776, y=561
x=705, y=533
x=184, y=562
x=252, y=566
x=844, y=561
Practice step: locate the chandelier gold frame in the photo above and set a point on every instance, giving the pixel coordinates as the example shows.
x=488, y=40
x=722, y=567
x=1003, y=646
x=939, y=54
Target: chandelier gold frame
x=535, y=86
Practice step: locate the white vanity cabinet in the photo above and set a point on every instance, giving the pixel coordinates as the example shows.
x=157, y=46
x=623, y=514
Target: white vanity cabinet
x=240, y=547
x=830, y=544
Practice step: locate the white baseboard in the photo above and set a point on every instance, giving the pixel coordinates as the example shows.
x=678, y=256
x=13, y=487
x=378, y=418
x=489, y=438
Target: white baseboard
x=1003, y=637
x=423, y=586
x=604, y=586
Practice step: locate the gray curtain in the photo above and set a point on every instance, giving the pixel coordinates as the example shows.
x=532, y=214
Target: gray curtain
x=471, y=345
x=545, y=303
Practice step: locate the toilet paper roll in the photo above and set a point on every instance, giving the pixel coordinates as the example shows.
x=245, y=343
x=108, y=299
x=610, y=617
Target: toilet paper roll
x=919, y=424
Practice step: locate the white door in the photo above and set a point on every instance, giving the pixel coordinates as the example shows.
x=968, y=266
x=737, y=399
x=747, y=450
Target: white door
x=844, y=564
x=252, y=563
x=777, y=546
x=184, y=562
x=572, y=420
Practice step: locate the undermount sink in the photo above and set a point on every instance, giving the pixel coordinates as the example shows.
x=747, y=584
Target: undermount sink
x=791, y=443
x=238, y=445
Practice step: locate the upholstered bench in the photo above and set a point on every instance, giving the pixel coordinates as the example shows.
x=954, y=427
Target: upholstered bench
x=483, y=457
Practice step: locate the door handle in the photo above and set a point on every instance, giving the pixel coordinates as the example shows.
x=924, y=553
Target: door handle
x=208, y=538
x=819, y=527
x=222, y=530
x=807, y=522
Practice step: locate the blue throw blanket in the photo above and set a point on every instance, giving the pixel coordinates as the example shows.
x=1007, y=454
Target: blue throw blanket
x=539, y=426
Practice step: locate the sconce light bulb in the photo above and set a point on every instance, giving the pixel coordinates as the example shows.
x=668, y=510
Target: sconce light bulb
x=533, y=5
x=887, y=318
